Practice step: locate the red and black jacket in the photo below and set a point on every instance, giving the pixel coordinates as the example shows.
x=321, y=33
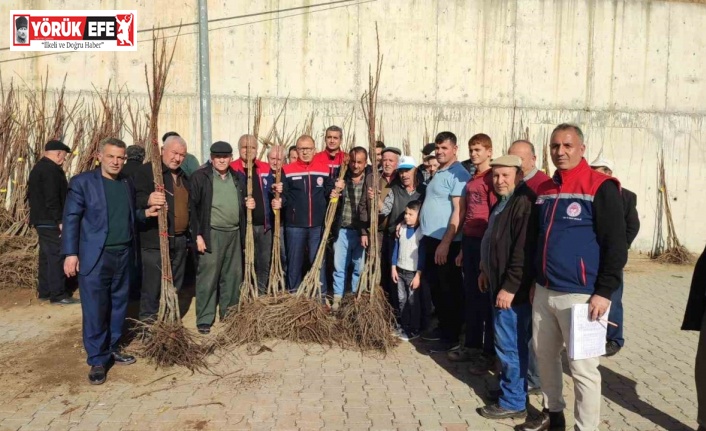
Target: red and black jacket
x=333, y=164
x=265, y=179
x=307, y=187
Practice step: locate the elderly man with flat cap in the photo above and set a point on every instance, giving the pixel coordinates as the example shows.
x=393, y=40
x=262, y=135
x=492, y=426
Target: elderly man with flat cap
x=218, y=204
x=46, y=193
x=507, y=253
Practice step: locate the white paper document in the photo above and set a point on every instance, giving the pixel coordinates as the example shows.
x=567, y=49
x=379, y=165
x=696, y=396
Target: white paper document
x=587, y=339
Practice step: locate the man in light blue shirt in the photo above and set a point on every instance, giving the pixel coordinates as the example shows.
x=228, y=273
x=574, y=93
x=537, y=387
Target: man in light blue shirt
x=441, y=219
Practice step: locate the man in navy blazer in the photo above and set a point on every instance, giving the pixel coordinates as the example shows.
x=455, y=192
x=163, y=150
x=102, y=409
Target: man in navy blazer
x=97, y=240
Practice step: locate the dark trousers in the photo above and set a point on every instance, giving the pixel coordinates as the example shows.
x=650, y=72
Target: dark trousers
x=263, y=257
x=700, y=376
x=616, y=316
x=104, y=297
x=152, y=275
x=478, y=307
x=410, y=306
x=387, y=244
x=52, y=281
x=444, y=284
x=298, y=240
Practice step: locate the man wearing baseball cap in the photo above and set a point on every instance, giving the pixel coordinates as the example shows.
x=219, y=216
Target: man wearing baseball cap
x=614, y=336
x=507, y=253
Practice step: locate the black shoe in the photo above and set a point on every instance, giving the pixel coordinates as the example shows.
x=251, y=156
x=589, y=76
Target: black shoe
x=443, y=346
x=547, y=421
x=611, y=348
x=432, y=335
x=204, y=329
x=494, y=411
x=67, y=301
x=97, y=375
x=123, y=359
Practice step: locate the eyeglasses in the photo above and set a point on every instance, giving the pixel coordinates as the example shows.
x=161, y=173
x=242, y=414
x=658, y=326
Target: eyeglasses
x=305, y=149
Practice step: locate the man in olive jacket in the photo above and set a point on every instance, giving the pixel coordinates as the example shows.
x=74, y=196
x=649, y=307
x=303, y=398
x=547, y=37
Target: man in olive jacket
x=694, y=321
x=507, y=254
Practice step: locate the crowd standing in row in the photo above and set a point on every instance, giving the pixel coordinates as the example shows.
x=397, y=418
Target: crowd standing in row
x=490, y=243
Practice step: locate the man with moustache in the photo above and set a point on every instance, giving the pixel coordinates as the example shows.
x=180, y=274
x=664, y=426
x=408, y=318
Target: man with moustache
x=582, y=251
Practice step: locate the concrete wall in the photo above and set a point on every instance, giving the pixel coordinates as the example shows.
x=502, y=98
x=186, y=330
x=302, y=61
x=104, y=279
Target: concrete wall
x=629, y=72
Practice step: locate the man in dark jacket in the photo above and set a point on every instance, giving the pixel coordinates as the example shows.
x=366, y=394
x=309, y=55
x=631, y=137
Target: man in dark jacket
x=46, y=193
x=176, y=185
x=614, y=336
x=218, y=205
x=305, y=189
x=135, y=157
x=507, y=254
x=694, y=321
x=581, y=254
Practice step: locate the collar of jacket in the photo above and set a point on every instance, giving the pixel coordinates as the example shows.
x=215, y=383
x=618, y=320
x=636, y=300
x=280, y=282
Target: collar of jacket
x=166, y=169
x=569, y=175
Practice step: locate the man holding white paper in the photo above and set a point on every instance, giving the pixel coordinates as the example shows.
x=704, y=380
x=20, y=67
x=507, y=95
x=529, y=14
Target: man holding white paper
x=582, y=252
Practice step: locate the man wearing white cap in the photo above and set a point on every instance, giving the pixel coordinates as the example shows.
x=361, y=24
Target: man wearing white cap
x=614, y=337
x=403, y=190
x=506, y=270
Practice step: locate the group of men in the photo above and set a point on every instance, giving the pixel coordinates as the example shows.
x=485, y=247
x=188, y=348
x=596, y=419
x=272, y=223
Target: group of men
x=507, y=250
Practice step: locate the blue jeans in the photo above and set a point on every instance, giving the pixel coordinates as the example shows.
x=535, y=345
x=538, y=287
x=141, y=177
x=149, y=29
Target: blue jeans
x=478, y=310
x=347, y=249
x=512, y=329
x=104, y=296
x=299, y=239
x=616, y=316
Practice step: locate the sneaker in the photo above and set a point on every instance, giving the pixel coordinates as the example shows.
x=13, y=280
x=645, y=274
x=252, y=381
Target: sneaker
x=97, y=375
x=443, y=346
x=204, y=329
x=123, y=358
x=336, y=302
x=408, y=335
x=432, y=335
x=494, y=411
x=67, y=301
x=611, y=348
x=464, y=354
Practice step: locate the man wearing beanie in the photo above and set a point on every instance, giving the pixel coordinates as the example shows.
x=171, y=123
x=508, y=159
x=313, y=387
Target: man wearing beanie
x=21, y=25
x=46, y=193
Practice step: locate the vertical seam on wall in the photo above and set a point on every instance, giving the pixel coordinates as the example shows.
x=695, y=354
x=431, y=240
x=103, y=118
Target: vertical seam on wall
x=590, y=70
x=514, y=73
x=669, y=51
x=436, y=60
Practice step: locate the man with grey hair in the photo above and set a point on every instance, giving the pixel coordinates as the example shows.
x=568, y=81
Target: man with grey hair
x=97, y=238
x=262, y=180
x=276, y=159
x=175, y=194
x=582, y=251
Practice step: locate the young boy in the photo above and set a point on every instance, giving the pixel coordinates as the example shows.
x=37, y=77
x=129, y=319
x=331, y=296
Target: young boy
x=407, y=260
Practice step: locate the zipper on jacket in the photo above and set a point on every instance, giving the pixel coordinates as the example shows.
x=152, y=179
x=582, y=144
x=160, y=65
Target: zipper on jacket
x=583, y=271
x=311, y=190
x=546, y=237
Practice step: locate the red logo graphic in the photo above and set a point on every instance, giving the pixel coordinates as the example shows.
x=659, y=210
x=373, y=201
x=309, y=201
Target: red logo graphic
x=574, y=210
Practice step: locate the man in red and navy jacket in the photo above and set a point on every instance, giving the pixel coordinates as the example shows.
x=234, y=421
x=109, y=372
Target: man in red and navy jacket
x=332, y=156
x=581, y=254
x=262, y=181
x=306, y=188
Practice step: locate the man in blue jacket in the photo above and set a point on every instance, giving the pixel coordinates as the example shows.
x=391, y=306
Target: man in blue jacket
x=97, y=240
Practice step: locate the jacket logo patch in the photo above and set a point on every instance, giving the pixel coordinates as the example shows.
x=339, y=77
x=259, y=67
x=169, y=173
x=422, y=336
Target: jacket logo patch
x=540, y=201
x=574, y=210
x=320, y=181
x=296, y=178
x=264, y=181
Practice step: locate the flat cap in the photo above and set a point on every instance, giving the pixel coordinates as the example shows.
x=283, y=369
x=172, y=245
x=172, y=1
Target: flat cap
x=56, y=145
x=392, y=150
x=221, y=148
x=509, y=160
x=428, y=149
